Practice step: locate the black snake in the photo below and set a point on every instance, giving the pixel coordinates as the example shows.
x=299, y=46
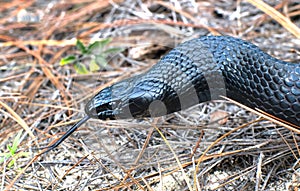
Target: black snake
x=200, y=70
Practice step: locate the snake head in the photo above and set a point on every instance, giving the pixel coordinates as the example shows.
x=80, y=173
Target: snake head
x=127, y=99
x=131, y=98
x=101, y=105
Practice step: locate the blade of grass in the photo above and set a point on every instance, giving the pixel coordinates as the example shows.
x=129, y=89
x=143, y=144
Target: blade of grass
x=175, y=156
x=18, y=119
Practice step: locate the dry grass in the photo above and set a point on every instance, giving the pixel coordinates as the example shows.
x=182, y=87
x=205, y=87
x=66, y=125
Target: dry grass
x=182, y=151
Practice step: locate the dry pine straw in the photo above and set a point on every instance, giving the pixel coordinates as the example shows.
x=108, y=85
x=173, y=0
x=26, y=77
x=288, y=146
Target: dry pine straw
x=132, y=154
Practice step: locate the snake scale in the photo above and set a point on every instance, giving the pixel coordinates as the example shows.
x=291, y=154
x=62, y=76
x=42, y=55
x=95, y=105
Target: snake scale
x=200, y=70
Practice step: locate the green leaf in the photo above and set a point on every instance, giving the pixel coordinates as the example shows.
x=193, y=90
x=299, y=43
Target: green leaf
x=113, y=51
x=80, y=68
x=12, y=152
x=11, y=163
x=98, y=45
x=101, y=60
x=81, y=47
x=94, y=66
x=16, y=142
x=67, y=60
x=105, y=41
x=95, y=46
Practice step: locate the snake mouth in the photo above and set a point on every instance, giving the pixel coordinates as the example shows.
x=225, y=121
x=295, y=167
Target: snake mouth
x=107, y=110
x=102, y=108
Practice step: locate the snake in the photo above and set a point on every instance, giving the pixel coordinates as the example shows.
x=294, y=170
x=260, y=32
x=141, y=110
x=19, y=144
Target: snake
x=200, y=70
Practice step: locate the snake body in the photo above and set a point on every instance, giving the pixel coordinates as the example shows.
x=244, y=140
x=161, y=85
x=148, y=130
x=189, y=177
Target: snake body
x=200, y=70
